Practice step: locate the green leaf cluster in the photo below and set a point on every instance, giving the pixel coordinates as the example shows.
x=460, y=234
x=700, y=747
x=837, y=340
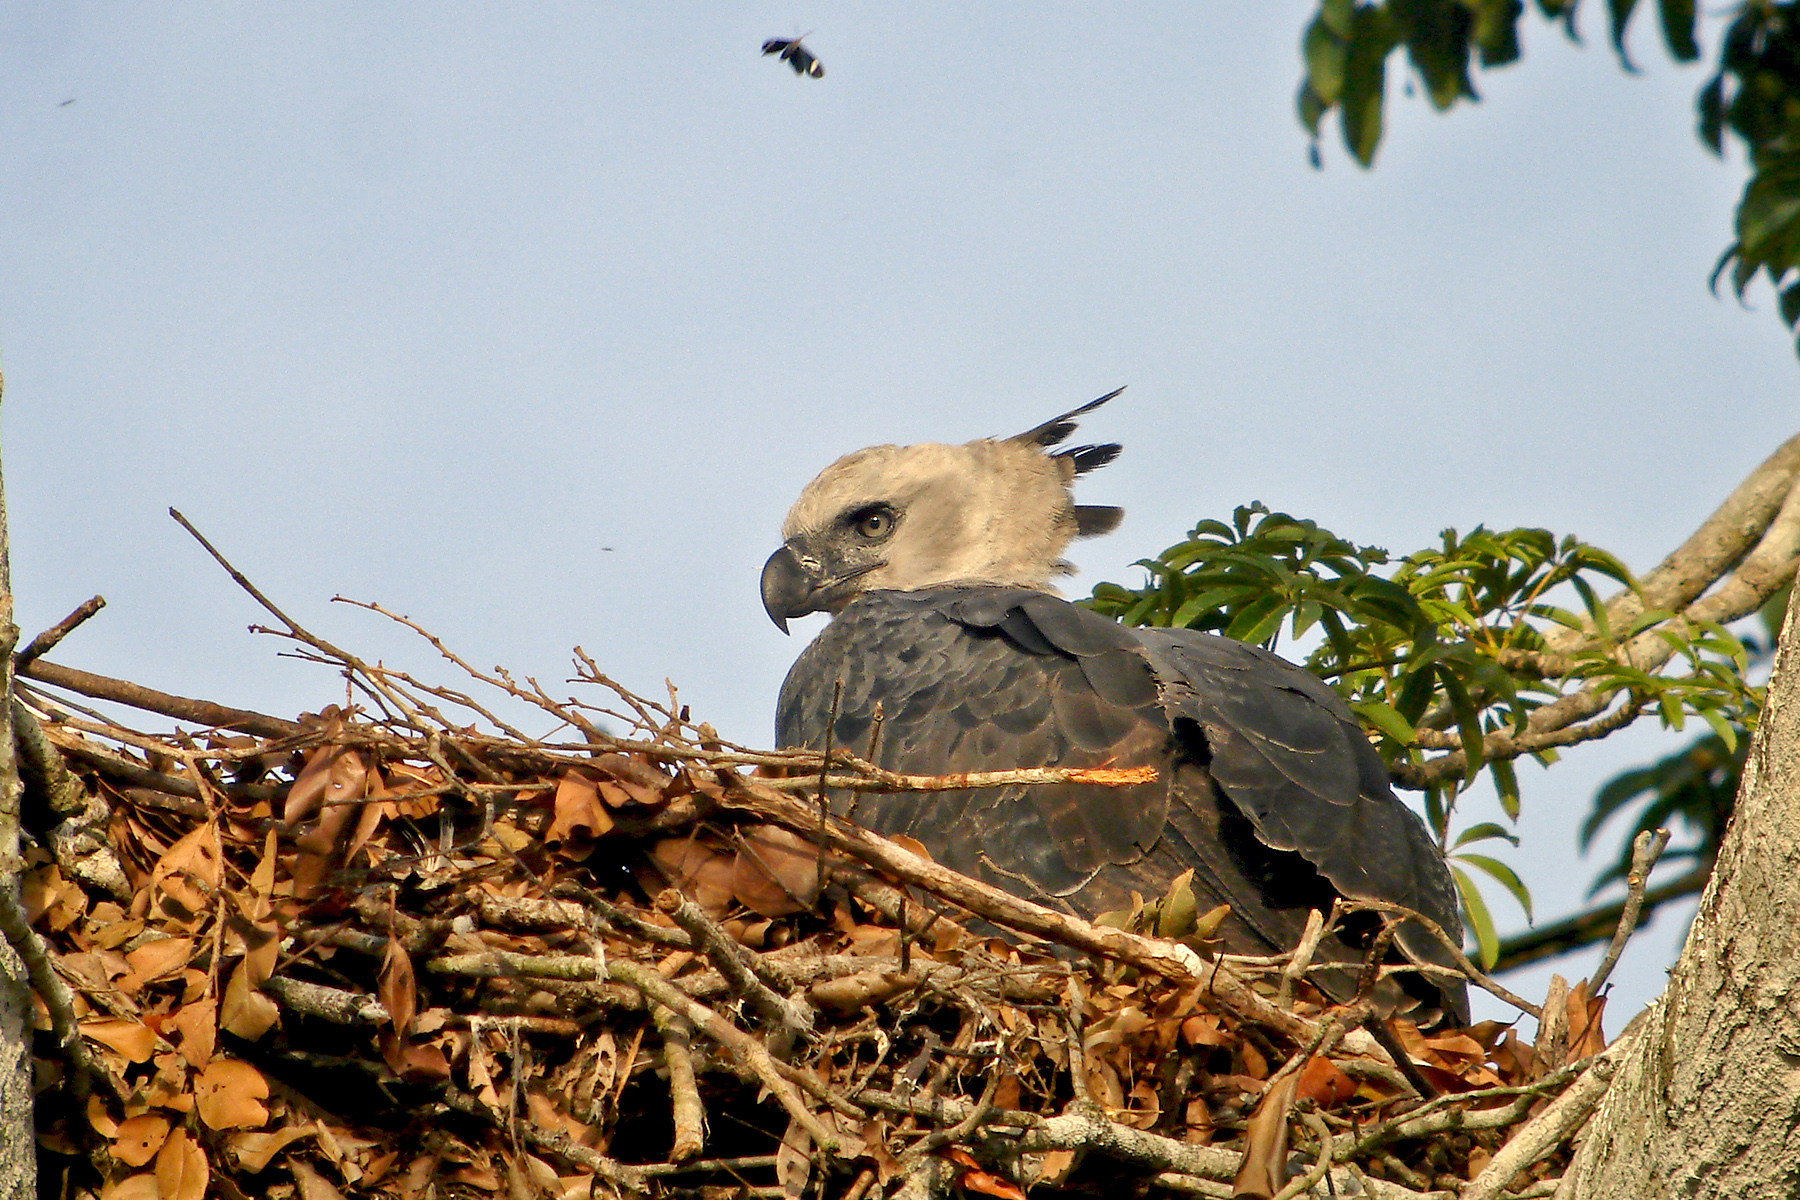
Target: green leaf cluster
x=1441, y=648
x=1347, y=45
x=1755, y=97
x=1752, y=96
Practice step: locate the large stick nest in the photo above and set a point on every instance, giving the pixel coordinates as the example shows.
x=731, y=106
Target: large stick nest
x=401, y=947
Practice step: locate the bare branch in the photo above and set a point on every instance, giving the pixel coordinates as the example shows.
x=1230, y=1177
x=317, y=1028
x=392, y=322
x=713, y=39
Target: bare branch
x=1722, y=540
x=1646, y=848
x=46, y=641
x=875, y=779
x=1168, y=959
x=200, y=712
x=736, y=964
x=688, y=1114
x=1550, y=1128
x=1586, y=928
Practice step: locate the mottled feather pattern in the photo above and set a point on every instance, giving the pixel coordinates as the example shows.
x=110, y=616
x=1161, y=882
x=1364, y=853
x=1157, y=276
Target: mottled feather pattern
x=1266, y=787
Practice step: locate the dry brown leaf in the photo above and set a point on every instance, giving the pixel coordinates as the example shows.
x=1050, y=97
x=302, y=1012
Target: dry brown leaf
x=370, y=814
x=230, y=1094
x=1199, y=1122
x=316, y=850
x=1205, y=1029
x=99, y=1119
x=415, y=1182
x=331, y=773
x=111, y=934
x=155, y=960
x=187, y=876
x=579, y=816
x=139, y=1138
x=246, y=1012
x=775, y=873
x=134, y=1187
x=1006, y=1093
x=262, y=879
x=793, y=1161
x=258, y=942
x=1264, y=1169
x=974, y=1179
x=396, y=987
x=181, y=1170
x=638, y=780
x=1256, y=1066
x=310, y=1184
x=132, y=1040
x=478, y=1175
x=1323, y=1084
x=252, y=1152
x=56, y=901
x=1054, y=1166
x=912, y=844
x=699, y=871
x=1104, y=1085
x=414, y=1060
x=1585, y=1036
x=1144, y=1106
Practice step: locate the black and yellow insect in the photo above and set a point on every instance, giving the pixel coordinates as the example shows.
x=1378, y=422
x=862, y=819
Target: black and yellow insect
x=796, y=56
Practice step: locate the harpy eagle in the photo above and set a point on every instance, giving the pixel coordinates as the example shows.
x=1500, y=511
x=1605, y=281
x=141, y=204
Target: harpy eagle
x=936, y=564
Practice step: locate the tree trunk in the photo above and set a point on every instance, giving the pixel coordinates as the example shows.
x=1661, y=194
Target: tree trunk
x=18, y=1136
x=1707, y=1103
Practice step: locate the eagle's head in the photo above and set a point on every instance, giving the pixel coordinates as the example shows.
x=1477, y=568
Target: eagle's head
x=905, y=517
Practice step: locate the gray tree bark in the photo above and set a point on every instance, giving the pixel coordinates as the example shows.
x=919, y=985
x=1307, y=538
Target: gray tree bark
x=1707, y=1103
x=18, y=1134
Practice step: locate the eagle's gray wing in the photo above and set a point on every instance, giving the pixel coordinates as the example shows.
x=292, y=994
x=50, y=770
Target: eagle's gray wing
x=1288, y=752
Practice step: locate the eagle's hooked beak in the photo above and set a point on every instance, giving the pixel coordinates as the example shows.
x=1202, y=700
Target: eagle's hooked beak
x=794, y=584
x=788, y=587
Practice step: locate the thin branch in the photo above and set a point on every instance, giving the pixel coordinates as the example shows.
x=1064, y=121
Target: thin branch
x=1321, y=1163
x=1168, y=959
x=876, y=779
x=741, y=1045
x=1468, y=969
x=1553, y=726
x=687, y=1113
x=132, y=695
x=237, y=577
x=58, y=1000
x=737, y=965
x=1646, y=848
x=46, y=641
x=555, y=1143
x=1755, y=536
x=1722, y=540
x=1586, y=928
x=1550, y=1128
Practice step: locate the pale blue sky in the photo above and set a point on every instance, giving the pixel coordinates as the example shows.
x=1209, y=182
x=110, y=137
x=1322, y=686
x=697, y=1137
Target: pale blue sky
x=529, y=321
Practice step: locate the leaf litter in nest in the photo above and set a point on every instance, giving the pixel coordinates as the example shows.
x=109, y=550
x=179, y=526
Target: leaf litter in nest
x=268, y=881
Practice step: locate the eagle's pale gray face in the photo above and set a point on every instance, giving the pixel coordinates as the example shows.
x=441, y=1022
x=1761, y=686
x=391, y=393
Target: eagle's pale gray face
x=907, y=517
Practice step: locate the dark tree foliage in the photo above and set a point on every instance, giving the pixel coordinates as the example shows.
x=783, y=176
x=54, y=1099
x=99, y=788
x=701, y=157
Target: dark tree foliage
x=1444, y=654
x=1753, y=94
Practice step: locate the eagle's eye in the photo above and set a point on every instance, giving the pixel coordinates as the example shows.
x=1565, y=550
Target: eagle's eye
x=874, y=523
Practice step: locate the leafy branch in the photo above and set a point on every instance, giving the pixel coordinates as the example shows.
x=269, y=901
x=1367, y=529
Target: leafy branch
x=1752, y=96
x=1492, y=645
